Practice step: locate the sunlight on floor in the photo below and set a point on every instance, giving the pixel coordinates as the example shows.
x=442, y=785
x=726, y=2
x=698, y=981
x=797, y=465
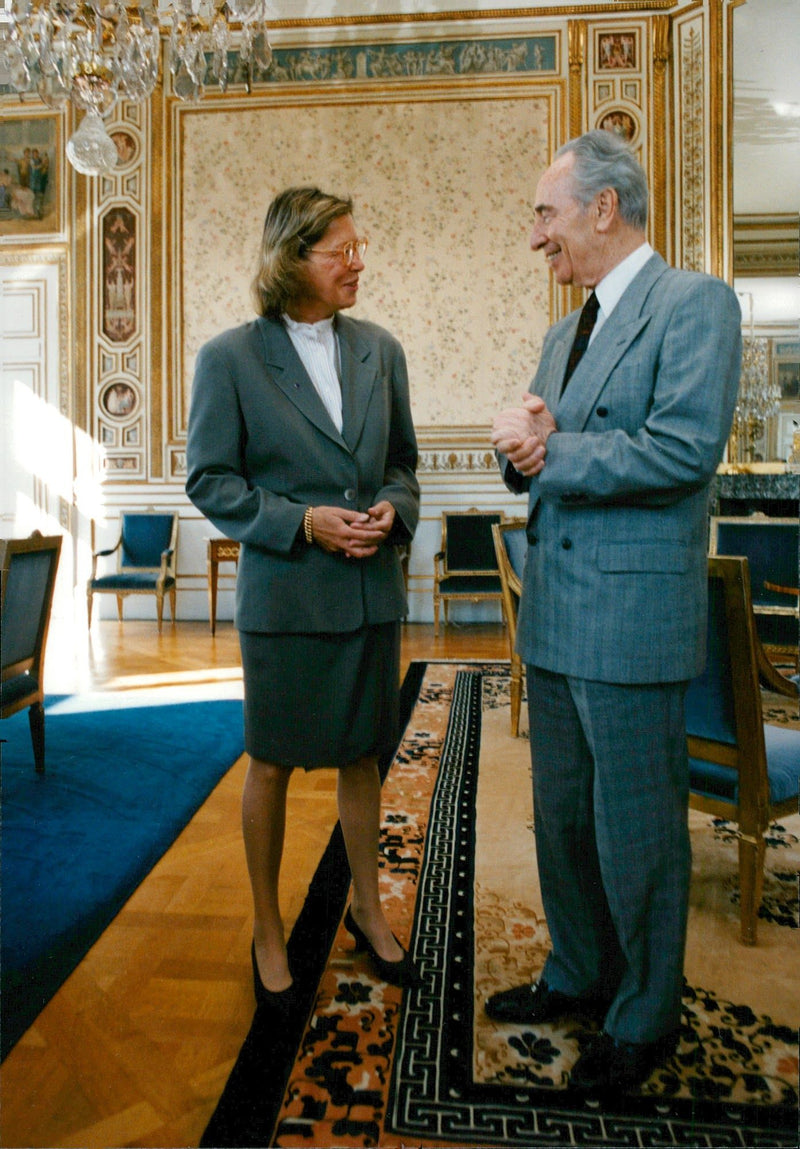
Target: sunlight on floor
x=182, y=678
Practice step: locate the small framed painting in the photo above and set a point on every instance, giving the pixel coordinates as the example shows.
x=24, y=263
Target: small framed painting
x=787, y=372
x=31, y=193
x=621, y=123
x=617, y=51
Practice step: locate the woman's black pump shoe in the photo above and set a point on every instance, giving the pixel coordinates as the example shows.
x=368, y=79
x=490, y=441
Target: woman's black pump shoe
x=402, y=972
x=280, y=1001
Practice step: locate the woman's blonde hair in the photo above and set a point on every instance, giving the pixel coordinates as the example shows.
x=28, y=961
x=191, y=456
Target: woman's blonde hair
x=296, y=220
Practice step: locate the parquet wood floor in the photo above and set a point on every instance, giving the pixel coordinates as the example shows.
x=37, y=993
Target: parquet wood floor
x=135, y=1048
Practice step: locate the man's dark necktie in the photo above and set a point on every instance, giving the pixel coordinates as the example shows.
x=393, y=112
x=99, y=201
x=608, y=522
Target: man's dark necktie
x=586, y=322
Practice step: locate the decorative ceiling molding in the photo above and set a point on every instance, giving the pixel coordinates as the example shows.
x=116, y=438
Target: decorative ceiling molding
x=766, y=244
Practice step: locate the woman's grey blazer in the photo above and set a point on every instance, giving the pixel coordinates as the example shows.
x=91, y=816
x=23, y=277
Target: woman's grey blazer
x=262, y=447
x=615, y=579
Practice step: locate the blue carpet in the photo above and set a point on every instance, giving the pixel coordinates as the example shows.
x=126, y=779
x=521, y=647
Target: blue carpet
x=120, y=785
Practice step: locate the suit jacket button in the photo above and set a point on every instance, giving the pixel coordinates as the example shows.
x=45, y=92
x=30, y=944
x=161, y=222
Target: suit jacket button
x=350, y=494
x=601, y=412
x=566, y=544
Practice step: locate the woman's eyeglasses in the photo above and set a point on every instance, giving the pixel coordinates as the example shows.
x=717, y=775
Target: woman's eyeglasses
x=347, y=253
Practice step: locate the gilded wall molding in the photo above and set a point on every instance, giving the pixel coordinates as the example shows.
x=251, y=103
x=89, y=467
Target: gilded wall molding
x=690, y=159
x=702, y=46
x=625, y=78
x=123, y=416
x=661, y=135
x=720, y=50
x=576, y=31
x=618, y=71
x=470, y=14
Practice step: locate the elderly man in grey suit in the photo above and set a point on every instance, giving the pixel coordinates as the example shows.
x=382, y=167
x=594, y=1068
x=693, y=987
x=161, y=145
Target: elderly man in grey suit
x=616, y=446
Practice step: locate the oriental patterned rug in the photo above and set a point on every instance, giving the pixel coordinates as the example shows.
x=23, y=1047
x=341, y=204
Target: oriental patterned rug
x=364, y=1064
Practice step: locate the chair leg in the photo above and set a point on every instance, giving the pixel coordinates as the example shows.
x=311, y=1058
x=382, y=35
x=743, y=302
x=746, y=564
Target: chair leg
x=160, y=610
x=516, y=698
x=89, y=609
x=36, y=722
x=436, y=605
x=751, y=881
x=173, y=597
x=119, y=607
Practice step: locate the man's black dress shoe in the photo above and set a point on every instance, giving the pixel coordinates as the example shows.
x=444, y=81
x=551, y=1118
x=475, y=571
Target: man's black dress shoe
x=281, y=1001
x=538, y=1003
x=609, y=1064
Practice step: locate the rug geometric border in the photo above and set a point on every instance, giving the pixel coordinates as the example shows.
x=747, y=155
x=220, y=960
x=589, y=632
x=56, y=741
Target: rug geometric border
x=432, y=1095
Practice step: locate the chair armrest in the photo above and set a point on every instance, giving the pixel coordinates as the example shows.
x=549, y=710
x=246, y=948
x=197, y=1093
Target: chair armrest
x=102, y=555
x=166, y=562
x=514, y=583
x=771, y=678
x=776, y=589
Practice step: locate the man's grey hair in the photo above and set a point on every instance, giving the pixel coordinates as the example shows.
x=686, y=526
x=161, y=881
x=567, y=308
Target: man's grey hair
x=604, y=160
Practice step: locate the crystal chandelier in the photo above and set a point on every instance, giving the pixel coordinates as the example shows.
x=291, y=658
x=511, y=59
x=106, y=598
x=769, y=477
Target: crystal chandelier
x=759, y=395
x=94, y=52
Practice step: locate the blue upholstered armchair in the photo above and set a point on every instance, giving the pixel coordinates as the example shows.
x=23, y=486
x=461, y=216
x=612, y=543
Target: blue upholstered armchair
x=772, y=548
x=146, y=555
x=466, y=566
x=741, y=768
x=29, y=569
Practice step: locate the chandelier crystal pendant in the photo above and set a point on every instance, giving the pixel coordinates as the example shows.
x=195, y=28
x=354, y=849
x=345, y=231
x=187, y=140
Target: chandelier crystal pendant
x=94, y=52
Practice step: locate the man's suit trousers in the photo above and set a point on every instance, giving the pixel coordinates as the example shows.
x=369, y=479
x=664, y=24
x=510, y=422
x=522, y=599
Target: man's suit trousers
x=611, y=789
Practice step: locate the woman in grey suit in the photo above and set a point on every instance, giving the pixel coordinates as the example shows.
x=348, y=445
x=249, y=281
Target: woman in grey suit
x=301, y=446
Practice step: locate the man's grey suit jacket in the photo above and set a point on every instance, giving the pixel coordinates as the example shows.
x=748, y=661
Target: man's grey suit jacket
x=261, y=447
x=615, y=580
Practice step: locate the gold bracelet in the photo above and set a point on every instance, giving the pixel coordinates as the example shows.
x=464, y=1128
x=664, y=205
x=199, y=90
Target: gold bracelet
x=308, y=525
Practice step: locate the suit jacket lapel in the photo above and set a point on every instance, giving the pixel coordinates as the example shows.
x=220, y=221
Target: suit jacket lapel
x=613, y=339
x=357, y=376
x=562, y=344
x=290, y=376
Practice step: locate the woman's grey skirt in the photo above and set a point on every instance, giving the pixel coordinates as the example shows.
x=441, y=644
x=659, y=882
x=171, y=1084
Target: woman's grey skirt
x=315, y=700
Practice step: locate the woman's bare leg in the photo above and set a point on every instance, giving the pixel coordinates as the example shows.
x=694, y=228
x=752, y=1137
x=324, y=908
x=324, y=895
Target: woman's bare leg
x=263, y=827
x=359, y=796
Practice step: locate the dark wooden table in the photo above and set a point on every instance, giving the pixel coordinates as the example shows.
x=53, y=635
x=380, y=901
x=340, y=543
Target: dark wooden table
x=219, y=551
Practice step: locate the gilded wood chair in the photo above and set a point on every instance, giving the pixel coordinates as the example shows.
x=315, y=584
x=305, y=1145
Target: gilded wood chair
x=465, y=567
x=772, y=548
x=29, y=568
x=510, y=545
x=741, y=768
x=146, y=553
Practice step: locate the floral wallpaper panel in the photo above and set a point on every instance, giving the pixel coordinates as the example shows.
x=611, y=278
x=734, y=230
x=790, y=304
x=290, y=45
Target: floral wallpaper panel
x=443, y=188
